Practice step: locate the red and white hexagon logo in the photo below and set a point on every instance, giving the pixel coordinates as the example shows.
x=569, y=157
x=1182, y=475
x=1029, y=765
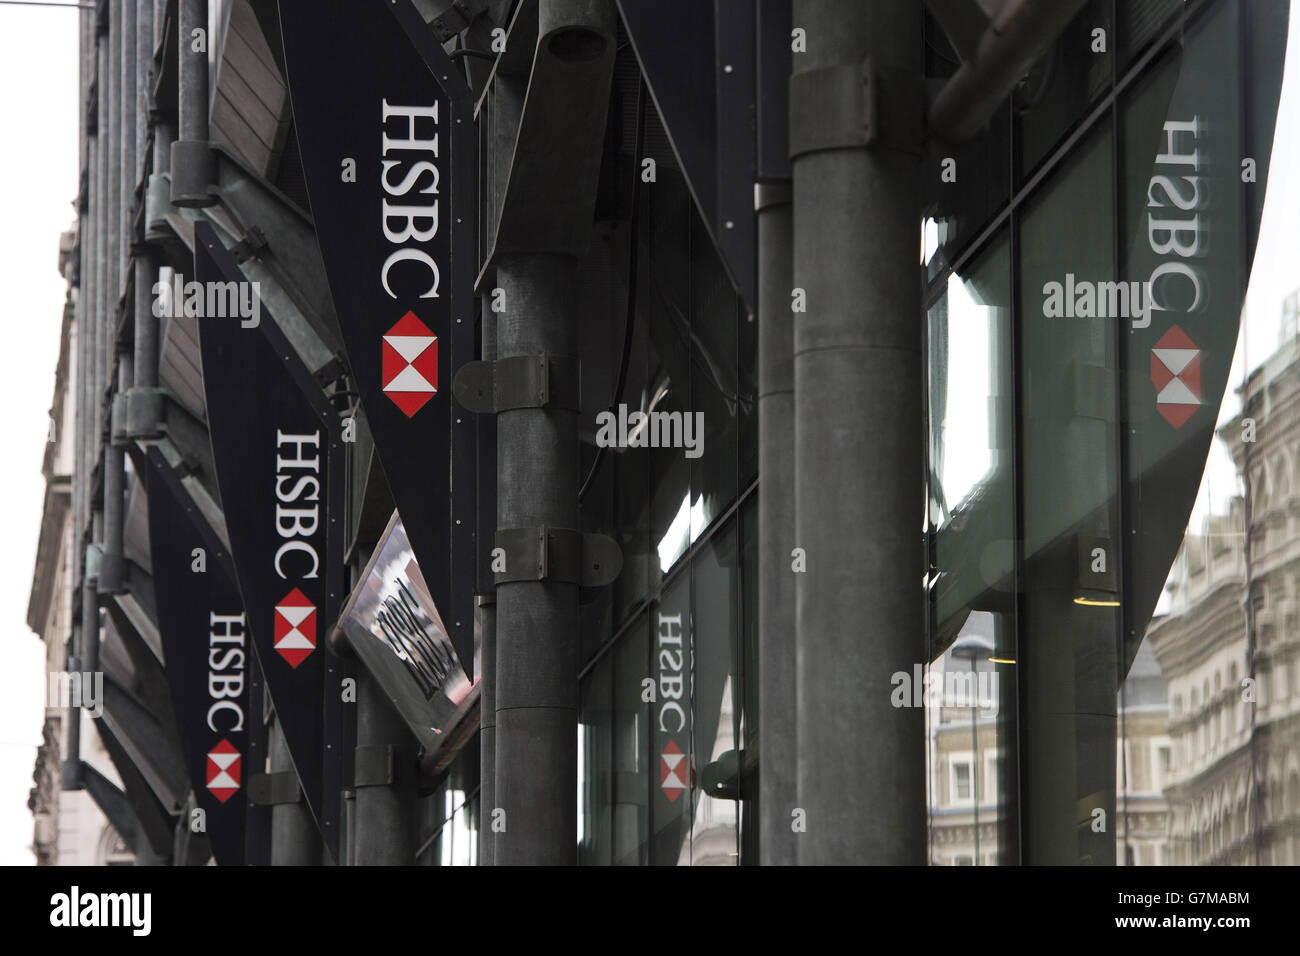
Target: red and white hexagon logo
x=223, y=770
x=1176, y=372
x=295, y=627
x=409, y=371
x=672, y=771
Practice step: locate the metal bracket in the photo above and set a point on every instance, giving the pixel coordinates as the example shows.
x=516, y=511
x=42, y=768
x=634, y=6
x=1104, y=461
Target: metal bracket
x=144, y=413
x=330, y=372
x=859, y=107
x=558, y=554
x=269, y=789
x=118, y=417
x=457, y=17
x=250, y=247
x=373, y=766
x=520, y=381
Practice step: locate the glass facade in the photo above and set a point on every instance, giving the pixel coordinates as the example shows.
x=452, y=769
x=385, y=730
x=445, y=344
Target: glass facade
x=1078, y=708
x=1080, y=333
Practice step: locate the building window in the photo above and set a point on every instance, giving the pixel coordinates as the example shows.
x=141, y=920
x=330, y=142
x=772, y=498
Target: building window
x=961, y=780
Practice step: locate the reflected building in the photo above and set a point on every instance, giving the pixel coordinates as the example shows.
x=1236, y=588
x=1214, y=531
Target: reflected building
x=1230, y=643
x=1144, y=753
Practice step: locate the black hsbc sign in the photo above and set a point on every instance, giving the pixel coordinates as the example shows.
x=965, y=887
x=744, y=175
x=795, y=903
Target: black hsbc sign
x=385, y=129
x=276, y=446
x=204, y=632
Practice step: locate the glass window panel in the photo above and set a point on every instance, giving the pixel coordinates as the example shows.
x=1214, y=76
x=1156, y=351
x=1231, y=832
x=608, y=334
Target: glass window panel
x=1216, y=649
x=1064, y=84
x=749, y=722
x=716, y=686
x=1069, y=449
x=668, y=377
x=671, y=730
x=715, y=401
x=633, y=773
x=958, y=205
x=595, y=765
x=970, y=685
x=1141, y=21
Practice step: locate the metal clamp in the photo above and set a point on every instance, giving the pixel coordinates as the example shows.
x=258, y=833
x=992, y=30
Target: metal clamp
x=561, y=555
x=270, y=789
x=858, y=106
x=373, y=766
x=456, y=18
x=520, y=381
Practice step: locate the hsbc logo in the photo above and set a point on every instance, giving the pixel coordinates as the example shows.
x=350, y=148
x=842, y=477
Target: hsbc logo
x=224, y=770
x=674, y=772
x=296, y=483
x=1176, y=374
x=410, y=173
x=226, y=689
x=409, y=370
x=295, y=628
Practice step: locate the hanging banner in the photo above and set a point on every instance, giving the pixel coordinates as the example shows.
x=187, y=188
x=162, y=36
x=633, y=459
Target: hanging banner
x=392, y=622
x=207, y=650
x=276, y=444
x=388, y=152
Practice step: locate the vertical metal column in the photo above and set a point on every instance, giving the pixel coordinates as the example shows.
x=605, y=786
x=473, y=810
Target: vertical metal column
x=119, y=377
x=192, y=166
x=858, y=428
x=143, y=61
x=71, y=769
x=537, y=640
x=776, y=530
x=385, y=833
x=487, y=624
x=294, y=841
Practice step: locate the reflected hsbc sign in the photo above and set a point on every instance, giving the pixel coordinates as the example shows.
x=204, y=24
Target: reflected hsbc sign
x=674, y=777
x=1174, y=228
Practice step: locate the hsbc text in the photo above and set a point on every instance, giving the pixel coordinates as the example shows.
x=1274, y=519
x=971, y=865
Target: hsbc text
x=296, y=483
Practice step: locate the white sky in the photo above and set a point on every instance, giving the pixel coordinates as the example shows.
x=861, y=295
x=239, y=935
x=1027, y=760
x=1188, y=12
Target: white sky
x=38, y=184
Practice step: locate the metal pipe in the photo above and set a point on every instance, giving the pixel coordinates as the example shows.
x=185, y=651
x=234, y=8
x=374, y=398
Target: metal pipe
x=294, y=841
x=1017, y=36
x=126, y=106
x=537, y=634
x=146, y=323
x=487, y=625
x=143, y=62
x=776, y=530
x=385, y=828
x=85, y=307
x=193, y=166
x=193, y=95
x=857, y=424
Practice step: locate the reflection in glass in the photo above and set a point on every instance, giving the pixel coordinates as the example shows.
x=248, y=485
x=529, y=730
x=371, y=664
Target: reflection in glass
x=968, y=689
